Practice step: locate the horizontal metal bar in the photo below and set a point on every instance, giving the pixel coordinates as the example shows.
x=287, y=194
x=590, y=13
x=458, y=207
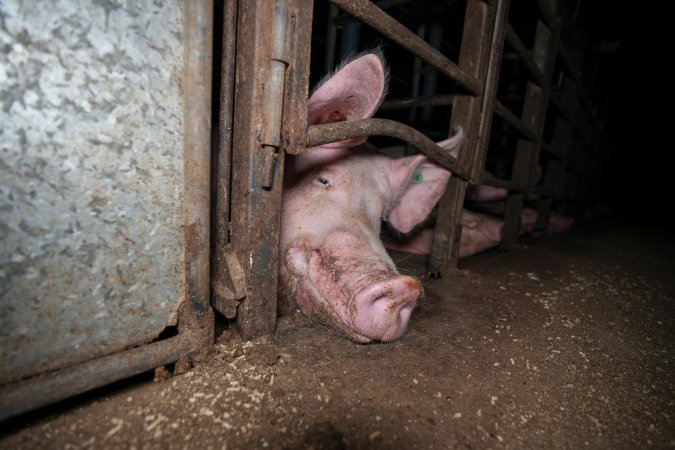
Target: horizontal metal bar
x=339, y=131
x=524, y=55
x=510, y=118
x=400, y=103
x=41, y=390
x=390, y=27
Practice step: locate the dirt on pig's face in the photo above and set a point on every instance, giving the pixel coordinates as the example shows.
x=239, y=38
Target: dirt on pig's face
x=333, y=263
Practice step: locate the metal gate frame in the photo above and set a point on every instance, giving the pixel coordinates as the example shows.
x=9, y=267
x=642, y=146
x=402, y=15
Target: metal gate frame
x=245, y=276
x=263, y=115
x=195, y=322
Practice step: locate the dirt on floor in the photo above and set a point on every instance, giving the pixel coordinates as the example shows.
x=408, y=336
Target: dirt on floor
x=564, y=342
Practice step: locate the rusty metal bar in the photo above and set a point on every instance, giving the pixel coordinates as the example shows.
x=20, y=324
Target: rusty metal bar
x=494, y=55
x=294, y=118
x=255, y=226
x=410, y=102
x=533, y=116
x=385, y=24
x=524, y=54
x=227, y=274
x=197, y=315
x=41, y=390
x=274, y=93
x=482, y=43
x=255, y=210
x=339, y=131
x=510, y=118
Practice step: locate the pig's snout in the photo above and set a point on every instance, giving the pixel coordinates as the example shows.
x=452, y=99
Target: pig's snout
x=382, y=310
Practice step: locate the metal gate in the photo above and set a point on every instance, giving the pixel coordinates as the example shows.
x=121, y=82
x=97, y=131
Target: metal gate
x=106, y=252
x=258, y=126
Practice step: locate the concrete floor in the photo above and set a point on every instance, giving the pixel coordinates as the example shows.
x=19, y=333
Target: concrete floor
x=564, y=342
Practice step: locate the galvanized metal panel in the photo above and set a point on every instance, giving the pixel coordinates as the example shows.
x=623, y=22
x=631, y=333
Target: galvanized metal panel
x=91, y=179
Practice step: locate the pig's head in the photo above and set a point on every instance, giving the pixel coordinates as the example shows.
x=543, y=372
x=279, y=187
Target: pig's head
x=333, y=263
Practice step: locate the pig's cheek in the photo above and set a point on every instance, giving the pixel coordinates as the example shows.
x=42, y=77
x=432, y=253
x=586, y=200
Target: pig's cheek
x=307, y=297
x=327, y=277
x=296, y=261
x=306, y=294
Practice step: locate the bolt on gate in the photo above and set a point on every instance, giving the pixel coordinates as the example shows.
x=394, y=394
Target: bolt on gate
x=225, y=237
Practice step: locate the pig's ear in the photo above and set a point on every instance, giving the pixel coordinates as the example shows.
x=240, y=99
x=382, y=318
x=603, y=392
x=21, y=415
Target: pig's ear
x=417, y=192
x=354, y=92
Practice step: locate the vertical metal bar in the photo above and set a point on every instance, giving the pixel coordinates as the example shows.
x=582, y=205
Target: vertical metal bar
x=569, y=146
x=533, y=116
x=490, y=91
x=543, y=214
x=331, y=39
x=349, y=40
x=197, y=315
x=416, y=76
x=227, y=275
x=553, y=174
x=482, y=41
x=430, y=78
x=273, y=93
x=294, y=129
x=256, y=210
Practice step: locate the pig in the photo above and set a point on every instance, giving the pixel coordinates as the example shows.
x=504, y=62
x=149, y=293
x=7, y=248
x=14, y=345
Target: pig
x=333, y=261
x=333, y=264
x=485, y=193
x=479, y=233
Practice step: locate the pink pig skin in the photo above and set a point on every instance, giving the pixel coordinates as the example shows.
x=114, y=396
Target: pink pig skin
x=333, y=263
x=479, y=233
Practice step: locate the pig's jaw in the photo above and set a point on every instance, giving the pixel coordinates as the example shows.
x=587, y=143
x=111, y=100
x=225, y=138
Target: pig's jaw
x=346, y=285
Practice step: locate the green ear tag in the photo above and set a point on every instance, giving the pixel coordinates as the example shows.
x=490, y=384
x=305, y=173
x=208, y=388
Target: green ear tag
x=417, y=177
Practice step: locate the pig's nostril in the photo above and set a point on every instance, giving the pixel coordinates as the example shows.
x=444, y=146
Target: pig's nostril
x=383, y=309
x=406, y=311
x=390, y=296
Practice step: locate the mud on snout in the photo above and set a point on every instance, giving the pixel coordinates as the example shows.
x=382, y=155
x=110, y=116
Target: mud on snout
x=347, y=285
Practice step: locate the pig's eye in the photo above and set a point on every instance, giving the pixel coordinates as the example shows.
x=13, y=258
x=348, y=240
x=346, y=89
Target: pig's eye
x=323, y=181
